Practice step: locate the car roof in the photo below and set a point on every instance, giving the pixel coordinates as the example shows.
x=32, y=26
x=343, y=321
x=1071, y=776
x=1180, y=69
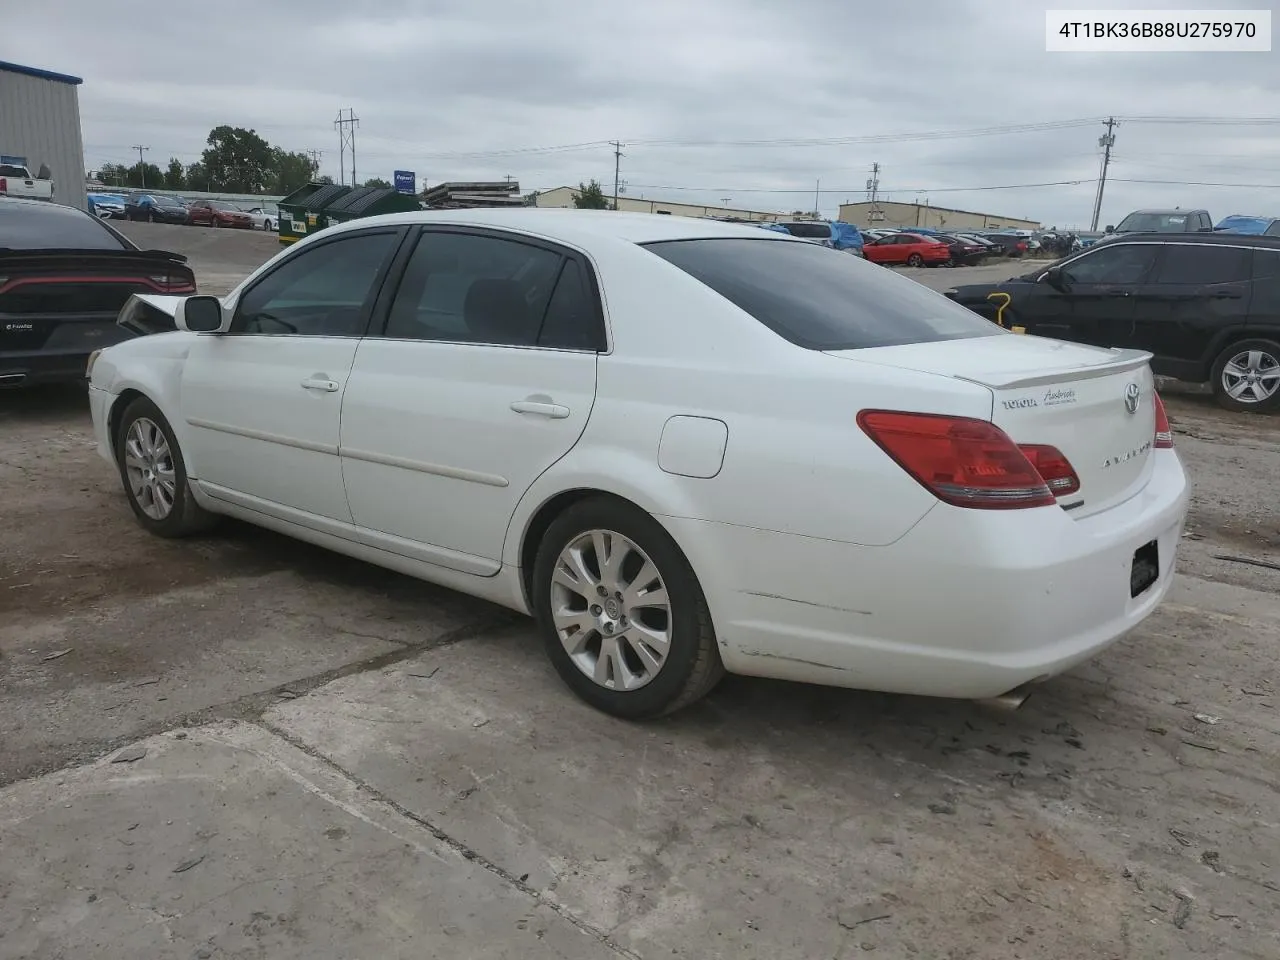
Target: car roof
x=47, y=206
x=1168, y=210
x=1207, y=239
x=577, y=226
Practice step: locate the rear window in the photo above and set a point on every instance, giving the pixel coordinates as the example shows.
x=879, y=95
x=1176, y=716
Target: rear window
x=819, y=298
x=1153, y=223
x=50, y=226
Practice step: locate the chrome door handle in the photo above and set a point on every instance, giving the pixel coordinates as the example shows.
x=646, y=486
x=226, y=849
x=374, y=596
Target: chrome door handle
x=320, y=383
x=552, y=410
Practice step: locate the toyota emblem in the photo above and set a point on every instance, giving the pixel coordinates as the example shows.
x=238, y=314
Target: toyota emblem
x=1132, y=397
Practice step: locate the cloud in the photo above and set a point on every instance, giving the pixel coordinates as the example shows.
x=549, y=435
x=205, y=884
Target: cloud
x=456, y=89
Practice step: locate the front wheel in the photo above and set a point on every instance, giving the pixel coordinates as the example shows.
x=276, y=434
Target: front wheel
x=1246, y=376
x=621, y=612
x=155, y=475
x=915, y=260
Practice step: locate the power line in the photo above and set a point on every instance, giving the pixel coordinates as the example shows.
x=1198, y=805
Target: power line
x=346, y=127
x=617, y=168
x=142, y=166
x=850, y=190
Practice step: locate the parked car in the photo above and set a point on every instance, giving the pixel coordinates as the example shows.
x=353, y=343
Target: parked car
x=17, y=181
x=445, y=395
x=989, y=247
x=108, y=206
x=266, y=216
x=911, y=249
x=64, y=276
x=218, y=213
x=154, y=208
x=1206, y=305
x=1253, y=226
x=1009, y=244
x=1160, y=221
x=875, y=233
x=963, y=252
x=831, y=233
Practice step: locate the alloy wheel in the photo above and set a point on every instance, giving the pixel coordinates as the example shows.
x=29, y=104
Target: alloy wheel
x=611, y=611
x=148, y=464
x=1251, y=376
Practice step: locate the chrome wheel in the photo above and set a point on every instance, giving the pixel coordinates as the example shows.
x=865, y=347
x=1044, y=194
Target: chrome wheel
x=148, y=463
x=1251, y=376
x=611, y=612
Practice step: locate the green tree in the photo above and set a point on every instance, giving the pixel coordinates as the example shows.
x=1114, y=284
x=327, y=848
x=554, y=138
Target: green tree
x=175, y=178
x=238, y=160
x=113, y=174
x=290, y=170
x=140, y=175
x=326, y=179
x=197, y=178
x=377, y=182
x=590, y=196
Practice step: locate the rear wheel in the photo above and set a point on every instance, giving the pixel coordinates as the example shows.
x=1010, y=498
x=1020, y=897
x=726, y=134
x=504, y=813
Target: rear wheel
x=155, y=475
x=1246, y=376
x=213, y=221
x=915, y=260
x=621, y=612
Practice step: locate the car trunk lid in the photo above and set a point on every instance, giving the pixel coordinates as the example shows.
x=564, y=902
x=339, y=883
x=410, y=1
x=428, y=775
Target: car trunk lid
x=1077, y=398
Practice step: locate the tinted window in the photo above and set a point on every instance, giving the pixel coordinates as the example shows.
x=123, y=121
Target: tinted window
x=476, y=289
x=1153, y=223
x=1266, y=264
x=35, y=225
x=810, y=231
x=1273, y=230
x=821, y=299
x=321, y=292
x=1114, y=263
x=1202, y=263
x=572, y=321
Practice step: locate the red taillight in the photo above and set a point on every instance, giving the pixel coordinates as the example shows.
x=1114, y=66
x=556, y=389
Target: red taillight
x=1164, y=433
x=1053, y=466
x=964, y=462
x=4, y=185
x=168, y=284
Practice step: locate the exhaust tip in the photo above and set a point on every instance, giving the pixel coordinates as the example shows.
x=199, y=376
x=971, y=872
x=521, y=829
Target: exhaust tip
x=1007, y=702
x=12, y=377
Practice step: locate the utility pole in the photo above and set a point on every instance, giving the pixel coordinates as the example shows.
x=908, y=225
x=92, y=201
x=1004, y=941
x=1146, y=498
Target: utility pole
x=315, y=156
x=142, y=166
x=816, y=185
x=873, y=190
x=1106, y=141
x=346, y=126
x=617, y=169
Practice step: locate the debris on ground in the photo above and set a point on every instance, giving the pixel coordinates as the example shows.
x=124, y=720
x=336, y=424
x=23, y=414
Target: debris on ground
x=855, y=915
x=186, y=865
x=129, y=754
x=56, y=654
x=1208, y=718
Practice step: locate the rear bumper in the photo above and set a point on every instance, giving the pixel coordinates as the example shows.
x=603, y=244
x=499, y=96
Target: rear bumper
x=32, y=369
x=968, y=604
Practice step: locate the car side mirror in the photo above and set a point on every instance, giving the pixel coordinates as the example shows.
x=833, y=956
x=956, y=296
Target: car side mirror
x=1111, y=228
x=201, y=314
x=1053, y=277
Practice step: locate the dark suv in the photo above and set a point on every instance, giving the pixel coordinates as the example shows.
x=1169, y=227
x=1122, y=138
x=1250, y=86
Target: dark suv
x=1206, y=305
x=1160, y=221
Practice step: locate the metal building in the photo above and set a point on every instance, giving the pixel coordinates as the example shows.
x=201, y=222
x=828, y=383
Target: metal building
x=901, y=216
x=40, y=125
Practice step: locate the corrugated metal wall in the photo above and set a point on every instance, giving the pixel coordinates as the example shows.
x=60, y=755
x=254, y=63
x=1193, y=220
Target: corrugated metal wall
x=40, y=120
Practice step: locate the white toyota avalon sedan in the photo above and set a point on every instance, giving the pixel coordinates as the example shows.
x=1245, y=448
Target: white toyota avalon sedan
x=684, y=446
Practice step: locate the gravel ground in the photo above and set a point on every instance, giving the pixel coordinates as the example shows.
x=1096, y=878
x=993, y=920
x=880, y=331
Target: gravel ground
x=1128, y=810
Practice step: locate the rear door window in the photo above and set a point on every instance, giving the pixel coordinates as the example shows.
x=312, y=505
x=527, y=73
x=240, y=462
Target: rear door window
x=47, y=226
x=1202, y=263
x=1119, y=263
x=821, y=300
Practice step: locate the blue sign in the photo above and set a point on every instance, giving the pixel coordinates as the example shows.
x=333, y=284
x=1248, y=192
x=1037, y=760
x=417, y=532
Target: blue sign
x=406, y=181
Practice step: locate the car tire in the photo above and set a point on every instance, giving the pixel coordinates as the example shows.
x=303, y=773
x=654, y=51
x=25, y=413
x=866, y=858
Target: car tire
x=690, y=666
x=213, y=222
x=146, y=451
x=1243, y=359
x=151, y=217
x=915, y=260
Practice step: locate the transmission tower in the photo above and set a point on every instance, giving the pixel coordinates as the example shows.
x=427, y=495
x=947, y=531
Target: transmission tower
x=346, y=126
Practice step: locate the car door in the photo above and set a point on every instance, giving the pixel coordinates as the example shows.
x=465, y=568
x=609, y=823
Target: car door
x=199, y=212
x=262, y=403
x=481, y=376
x=1094, y=300
x=1197, y=293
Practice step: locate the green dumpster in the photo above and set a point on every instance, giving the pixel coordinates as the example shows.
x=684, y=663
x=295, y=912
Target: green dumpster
x=303, y=212
x=369, y=202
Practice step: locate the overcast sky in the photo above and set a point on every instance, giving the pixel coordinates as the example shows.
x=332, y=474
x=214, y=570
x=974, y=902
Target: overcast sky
x=479, y=89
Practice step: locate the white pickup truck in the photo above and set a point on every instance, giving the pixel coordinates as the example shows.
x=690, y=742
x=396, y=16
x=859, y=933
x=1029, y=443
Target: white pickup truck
x=17, y=181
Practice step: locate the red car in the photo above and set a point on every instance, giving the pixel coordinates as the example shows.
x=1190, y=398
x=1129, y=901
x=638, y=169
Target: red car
x=913, y=249
x=218, y=213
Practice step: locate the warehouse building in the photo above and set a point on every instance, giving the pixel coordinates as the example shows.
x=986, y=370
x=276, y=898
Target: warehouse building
x=40, y=126
x=889, y=215
x=563, y=197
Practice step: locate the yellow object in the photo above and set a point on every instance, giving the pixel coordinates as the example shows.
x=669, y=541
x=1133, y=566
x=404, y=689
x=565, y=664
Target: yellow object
x=1008, y=298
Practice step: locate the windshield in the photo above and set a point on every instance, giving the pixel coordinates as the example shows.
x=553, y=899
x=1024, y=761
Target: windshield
x=820, y=299
x=223, y=205
x=47, y=226
x=1153, y=223
x=1250, y=225
x=167, y=202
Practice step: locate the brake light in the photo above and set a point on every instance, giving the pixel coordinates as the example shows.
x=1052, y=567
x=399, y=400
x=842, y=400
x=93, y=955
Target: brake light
x=961, y=461
x=163, y=281
x=1053, y=466
x=1164, y=433
x=4, y=185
